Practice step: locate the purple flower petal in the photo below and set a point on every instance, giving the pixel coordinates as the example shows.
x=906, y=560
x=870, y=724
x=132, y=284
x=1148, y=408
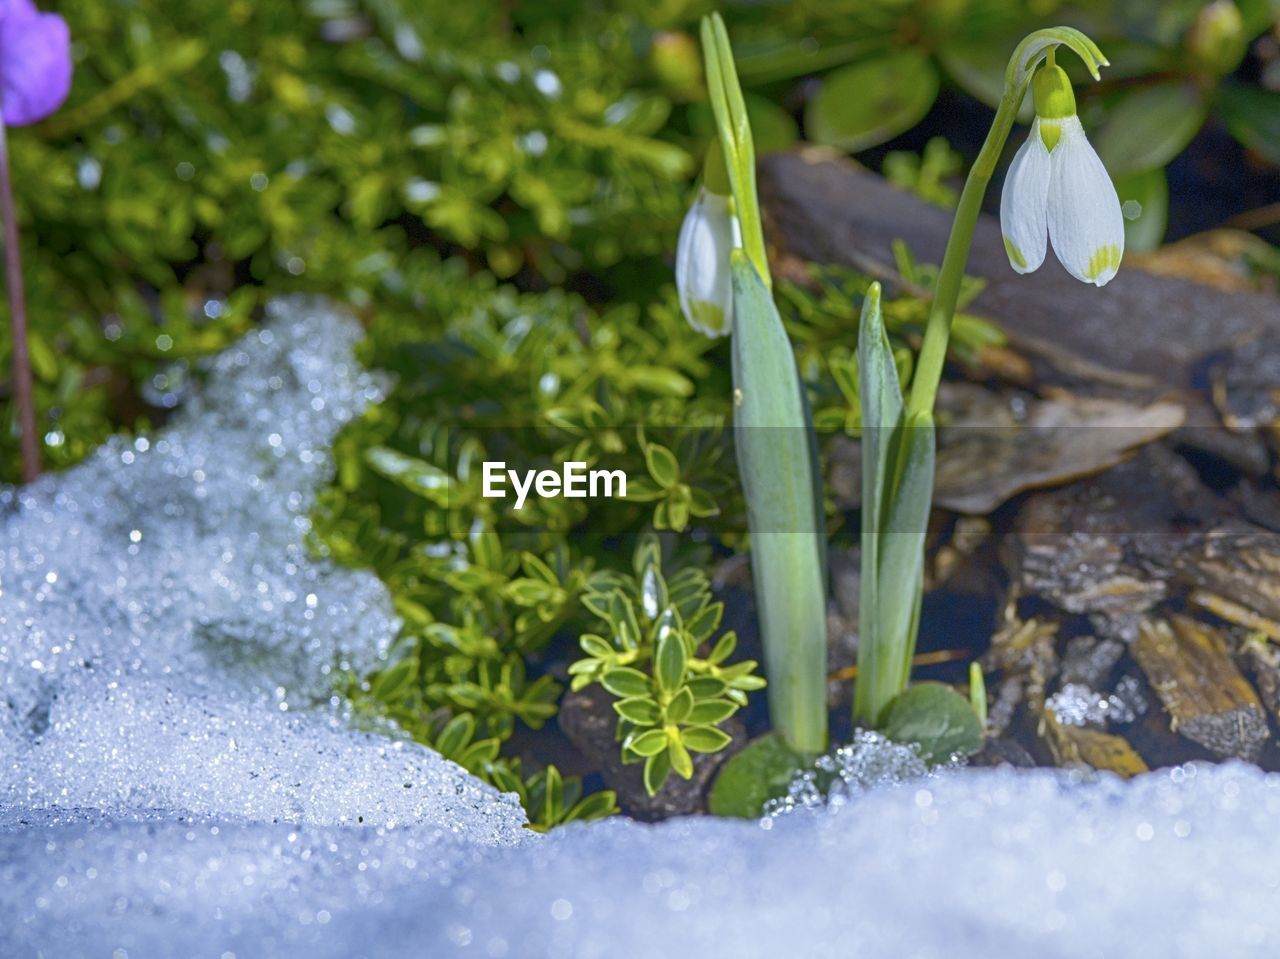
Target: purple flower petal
x=35, y=62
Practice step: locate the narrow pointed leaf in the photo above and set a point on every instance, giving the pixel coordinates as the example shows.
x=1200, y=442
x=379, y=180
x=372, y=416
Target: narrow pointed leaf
x=880, y=398
x=670, y=662
x=900, y=572
x=775, y=461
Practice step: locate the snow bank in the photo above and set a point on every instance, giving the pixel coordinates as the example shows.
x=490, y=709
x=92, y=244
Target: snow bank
x=161, y=621
x=173, y=781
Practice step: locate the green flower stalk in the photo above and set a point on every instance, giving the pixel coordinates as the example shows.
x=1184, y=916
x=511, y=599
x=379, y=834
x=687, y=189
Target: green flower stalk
x=1030, y=53
x=773, y=434
x=1057, y=187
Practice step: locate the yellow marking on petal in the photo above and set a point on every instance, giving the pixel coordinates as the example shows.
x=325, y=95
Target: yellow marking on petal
x=1050, y=133
x=1105, y=259
x=1015, y=255
x=707, y=318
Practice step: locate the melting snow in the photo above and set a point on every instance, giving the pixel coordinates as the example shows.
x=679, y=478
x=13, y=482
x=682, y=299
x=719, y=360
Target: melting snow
x=175, y=782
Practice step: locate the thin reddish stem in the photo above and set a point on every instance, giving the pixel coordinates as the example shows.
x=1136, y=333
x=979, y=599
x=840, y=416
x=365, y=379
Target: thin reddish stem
x=23, y=386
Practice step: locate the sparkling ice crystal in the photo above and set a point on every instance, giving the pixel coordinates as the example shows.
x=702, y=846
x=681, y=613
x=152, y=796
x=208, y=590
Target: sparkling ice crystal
x=175, y=783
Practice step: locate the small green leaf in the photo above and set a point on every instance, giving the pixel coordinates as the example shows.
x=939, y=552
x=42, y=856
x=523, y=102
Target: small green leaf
x=681, y=761
x=596, y=806
x=705, y=739
x=701, y=504
x=1144, y=200
x=711, y=711
x=662, y=464
x=598, y=604
x=528, y=592
x=456, y=734
x=723, y=648
x=937, y=719
x=677, y=512
x=704, y=622
x=1253, y=117
x=679, y=707
x=648, y=554
x=977, y=61
x=415, y=475
x=866, y=103
x=761, y=771
x=660, y=380
x=656, y=769
x=486, y=547
x=669, y=663
x=396, y=680
x=553, y=804
x=538, y=569
x=1147, y=128
x=504, y=780
x=596, y=646
x=653, y=592
x=642, y=711
x=625, y=681
x=706, y=687
x=44, y=361
x=649, y=743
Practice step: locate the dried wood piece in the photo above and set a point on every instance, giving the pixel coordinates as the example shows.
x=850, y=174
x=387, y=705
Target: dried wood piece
x=1219, y=258
x=993, y=445
x=1024, y=653
x=1236, y=573
x=1075, y=745
x=986, y=456
x=1263, y=660
x=1208, y=700
x=1234, y=612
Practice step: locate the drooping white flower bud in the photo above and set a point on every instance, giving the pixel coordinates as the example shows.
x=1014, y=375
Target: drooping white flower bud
x=704, y=280
x=1058, y=188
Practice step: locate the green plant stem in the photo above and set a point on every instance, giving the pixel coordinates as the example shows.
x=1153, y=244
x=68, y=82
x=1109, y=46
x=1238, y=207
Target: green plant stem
x=23, y=386
x=1022, y=65
x=933, y=352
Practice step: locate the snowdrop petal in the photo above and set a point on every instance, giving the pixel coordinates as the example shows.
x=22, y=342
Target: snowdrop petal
x=1023, y=203
x=703, y=278
x=1086, y=226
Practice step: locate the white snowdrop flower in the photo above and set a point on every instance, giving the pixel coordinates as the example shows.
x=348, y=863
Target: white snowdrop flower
x=703, y=280
x=1057, y=187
